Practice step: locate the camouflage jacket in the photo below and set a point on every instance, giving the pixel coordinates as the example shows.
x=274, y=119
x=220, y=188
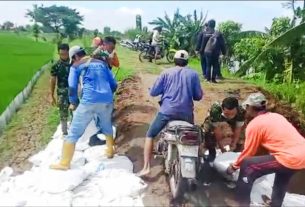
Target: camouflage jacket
x=61, y=71
x=215, y=117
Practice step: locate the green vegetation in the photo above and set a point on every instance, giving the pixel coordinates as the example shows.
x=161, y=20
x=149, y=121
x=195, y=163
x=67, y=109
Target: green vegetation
x=181, y=31
x=22, y=57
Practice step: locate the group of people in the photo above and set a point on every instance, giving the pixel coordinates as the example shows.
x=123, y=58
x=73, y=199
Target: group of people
x=178, y=87
x=85, y=85
x=210, y=45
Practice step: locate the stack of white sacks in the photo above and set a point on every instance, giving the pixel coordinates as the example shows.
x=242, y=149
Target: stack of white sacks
x=262, y=186
x=93, y=180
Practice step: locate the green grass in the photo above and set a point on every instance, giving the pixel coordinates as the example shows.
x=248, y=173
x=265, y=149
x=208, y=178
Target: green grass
x=21, y=58
x=293, y=93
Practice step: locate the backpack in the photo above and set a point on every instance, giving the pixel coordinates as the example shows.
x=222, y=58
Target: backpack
x=212, y=45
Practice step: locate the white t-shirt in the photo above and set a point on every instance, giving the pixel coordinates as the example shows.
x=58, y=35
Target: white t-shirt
x=156, y=38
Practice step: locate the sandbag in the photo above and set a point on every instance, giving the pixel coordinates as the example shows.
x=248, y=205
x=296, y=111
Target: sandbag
x=222, y=162
x=110, y=187
x=57, y=181
x=95, y=153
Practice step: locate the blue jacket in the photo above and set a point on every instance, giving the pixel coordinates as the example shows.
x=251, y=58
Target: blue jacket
x=178, y=88
x=98, y=82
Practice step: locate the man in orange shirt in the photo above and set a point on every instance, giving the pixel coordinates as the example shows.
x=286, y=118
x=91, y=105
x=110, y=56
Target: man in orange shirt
x=284, y=144
x=105, y=51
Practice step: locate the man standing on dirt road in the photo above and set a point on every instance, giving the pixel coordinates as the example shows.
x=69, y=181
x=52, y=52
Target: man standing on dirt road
x=97, y=101
x=178, y=87
x=284, y=144
x=211, y=44
x=200, y=52
x=60, y=73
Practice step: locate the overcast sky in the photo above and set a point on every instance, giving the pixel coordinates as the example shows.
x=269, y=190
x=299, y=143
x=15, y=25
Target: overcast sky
x=120, y=15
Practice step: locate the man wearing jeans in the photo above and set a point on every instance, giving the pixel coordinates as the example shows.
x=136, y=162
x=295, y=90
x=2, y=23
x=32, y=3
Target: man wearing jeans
x=178, y=87
x=97, y=101
x=284, y=144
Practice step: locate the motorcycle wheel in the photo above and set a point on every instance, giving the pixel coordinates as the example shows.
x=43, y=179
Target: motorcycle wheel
x=170, y=57
x=177, y=183
x=143, y=55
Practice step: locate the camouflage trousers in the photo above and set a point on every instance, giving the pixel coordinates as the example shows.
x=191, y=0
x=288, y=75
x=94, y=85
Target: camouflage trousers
x=63, y=105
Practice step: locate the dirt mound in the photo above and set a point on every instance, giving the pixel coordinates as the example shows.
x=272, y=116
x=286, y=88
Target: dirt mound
x=290, y=113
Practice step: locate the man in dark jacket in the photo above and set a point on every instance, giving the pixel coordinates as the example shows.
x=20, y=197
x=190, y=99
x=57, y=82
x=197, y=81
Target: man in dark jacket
x=201, y=53
x=210, y=45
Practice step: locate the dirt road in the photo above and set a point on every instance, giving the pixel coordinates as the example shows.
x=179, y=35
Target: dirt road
x=136, y=109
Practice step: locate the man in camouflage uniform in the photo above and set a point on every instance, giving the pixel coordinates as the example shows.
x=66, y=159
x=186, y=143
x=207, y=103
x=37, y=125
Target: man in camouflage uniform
x=224, y=123
x=60, y=73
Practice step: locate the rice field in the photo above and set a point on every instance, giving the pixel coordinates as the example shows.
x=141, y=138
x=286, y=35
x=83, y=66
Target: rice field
x=20, y=58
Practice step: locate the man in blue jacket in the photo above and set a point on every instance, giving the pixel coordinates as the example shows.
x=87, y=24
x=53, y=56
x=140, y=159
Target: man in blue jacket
x=97, y=101
x=178, y=87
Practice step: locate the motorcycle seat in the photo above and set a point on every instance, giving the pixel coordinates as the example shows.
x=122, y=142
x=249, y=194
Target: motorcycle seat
x=179, y=123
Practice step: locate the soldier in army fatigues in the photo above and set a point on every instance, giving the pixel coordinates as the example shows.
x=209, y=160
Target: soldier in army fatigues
x=225, y=120
x=60, y=73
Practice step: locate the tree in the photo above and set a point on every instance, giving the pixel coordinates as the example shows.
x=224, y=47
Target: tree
x=231, y=31
x=81, y=32
x=107, y=31
x=36, y=31
x=95, y=32
x=139, y=22
x=279, y=26
x=7, y=25
x=145, y=29
x=60, y=19
x=290, y=49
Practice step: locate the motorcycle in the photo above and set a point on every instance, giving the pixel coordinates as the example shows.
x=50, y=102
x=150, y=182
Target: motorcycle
x=165, y=51
x=179, y=145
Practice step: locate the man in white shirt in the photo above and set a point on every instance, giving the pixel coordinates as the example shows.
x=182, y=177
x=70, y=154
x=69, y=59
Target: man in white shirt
x=156, y=41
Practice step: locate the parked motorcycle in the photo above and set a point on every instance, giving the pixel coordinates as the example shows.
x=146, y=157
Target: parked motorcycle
x=165, y=51
x=179, y=145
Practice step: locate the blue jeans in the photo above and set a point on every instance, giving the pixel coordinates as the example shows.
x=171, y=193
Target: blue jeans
x=84, y=114
x=161, y=121
x=212, y=66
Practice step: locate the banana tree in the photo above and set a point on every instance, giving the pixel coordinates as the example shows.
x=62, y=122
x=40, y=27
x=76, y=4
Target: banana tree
x=289, y=40
x=181, y=31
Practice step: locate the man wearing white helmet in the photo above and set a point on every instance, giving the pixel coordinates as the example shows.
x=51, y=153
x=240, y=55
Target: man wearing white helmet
x=178, y=87
x=284, y=144
x=97, y=101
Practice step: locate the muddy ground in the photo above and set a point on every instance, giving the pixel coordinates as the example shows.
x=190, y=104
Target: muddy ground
x=135, y=109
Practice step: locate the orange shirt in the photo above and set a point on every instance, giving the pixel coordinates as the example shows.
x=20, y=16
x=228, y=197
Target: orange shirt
x=278, y=136
x=114, y=61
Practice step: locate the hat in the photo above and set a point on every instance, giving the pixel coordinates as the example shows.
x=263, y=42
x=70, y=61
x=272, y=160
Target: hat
x=181, y=54
x=74, y=50
x=255, y=99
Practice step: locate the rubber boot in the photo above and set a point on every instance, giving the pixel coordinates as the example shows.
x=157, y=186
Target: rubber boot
x=110, y=147
x=66, y=157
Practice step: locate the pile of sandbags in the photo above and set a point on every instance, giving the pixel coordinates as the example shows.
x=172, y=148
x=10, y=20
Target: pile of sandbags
x=262, y=186
x=93, y=180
